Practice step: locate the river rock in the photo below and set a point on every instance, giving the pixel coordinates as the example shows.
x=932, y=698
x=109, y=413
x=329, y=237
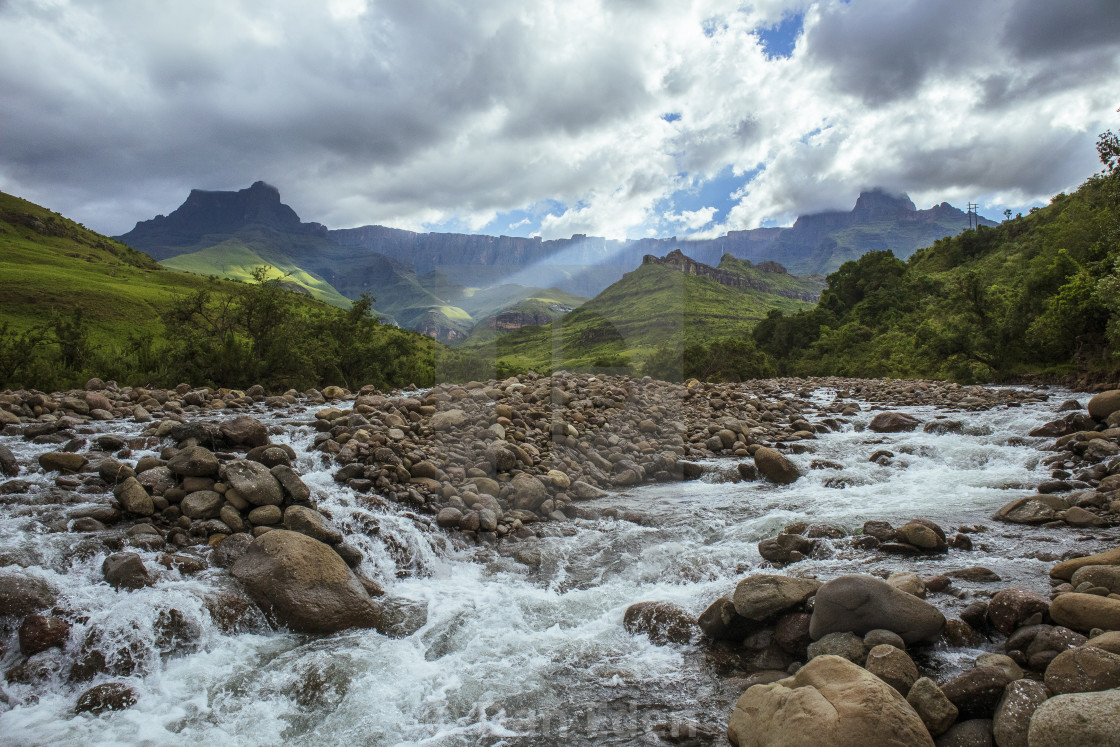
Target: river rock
x=62, y=461
x=125, y=570
x=764, y=596
x=111, y=696
x=1031, y=511
x=1109, y=641
x=230, y=549
x=936, y=711
x=582, y=491
x=40, y=632
x=923, y=534
x=893, y=667
x=860, y=604
x=975, y=732
x=847, y=645
x=1104, y=404
x=893, y=422
x=202, y=505
x=662, y=622
x=909, y=582
x=1013, y=714
x=449, y=518
x=194, y=461
x=244, y=431
x=977, y=692
x=253, y=482
x=293, y=486
x=721, y=622
x=305, y=584
x=310, y=522
x=133, y=498
x=775, y=467
x=1009, y=608
x=9, y=465
x=781, y=549
x=1083, y=669
x=1065, y=570
x=1077, y=719
x=829, y=702
x=527, y=492
x=501, y=457
x=23, y=594
x=791, y=633
x=1107, y=576
x=448, y=420
x=1086, y=611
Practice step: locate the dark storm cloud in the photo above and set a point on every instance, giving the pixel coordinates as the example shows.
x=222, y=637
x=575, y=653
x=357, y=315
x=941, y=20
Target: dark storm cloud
x=1042, y=28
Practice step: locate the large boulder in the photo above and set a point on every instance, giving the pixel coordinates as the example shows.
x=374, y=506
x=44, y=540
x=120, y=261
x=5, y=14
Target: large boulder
x=773, y=465
x=245, y=431
x=62, y=461
x=9, y=465
x=312, y=523
x=764, y=596
x=110, y=696
x=1011, y=607
x=1077, y=719
x=254, y=482
x=1107, y=576
x=1086, y=611
x=194, y=461
x=830, y=702
x=721, y=622
x=22, y=593
x=893, y=422
x=448, y=420
x=1104, y=404
x=1013, y=714
x=1064, y=571
x=304, y=584
x=936, y=711
x=892, y=666
x=1083, y=669
x=860, y=604
x=133, y=498
x=125, y=570
x=978, y=691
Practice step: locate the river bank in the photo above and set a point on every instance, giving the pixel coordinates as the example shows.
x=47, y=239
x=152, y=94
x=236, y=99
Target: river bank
x=499, y=530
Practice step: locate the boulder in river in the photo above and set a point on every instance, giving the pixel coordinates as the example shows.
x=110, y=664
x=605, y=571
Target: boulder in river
x=133, y=498
x=1077, y=719
x=1083, y=669
x=785, y=548
x=305, y=584
x=1104, y=404
x=1065, y=570
x=194, y=461
x=936, y=711
x=893, y=422
x=254, y=482
x=125, y=570
x=663, y=622
x=1012, y=718
x=1011, y=607
x=527, y=492
x=977, y=691
x=62, y=461
x=764, y=596
x=860, y=604
x=830, y=702
x=1086, y=611
x=774, y=466
x=110, y=696
x=245, y=431
x=22, y=593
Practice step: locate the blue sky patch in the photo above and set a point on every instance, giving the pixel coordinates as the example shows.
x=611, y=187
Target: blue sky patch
x=780, y=39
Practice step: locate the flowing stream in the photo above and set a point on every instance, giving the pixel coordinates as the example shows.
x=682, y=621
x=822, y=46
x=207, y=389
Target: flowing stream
x=516, y=653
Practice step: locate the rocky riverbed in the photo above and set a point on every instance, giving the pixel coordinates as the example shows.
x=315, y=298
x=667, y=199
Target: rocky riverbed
x=559, y=560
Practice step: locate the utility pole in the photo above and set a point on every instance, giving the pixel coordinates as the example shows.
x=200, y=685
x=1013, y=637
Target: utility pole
x=972, y=208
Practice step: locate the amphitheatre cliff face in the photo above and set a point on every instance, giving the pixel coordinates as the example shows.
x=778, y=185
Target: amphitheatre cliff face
x=761, y=277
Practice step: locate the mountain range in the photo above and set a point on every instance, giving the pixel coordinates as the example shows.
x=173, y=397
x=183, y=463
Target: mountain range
x=446, y=284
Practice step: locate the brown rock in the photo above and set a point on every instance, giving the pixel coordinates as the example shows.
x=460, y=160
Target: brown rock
x=111, y=696
x=663, y=622
x=936, y=711
x=893, y=422
x=40, y=632
x=245, y=431
x=775, y=467
x=1065, y=570
x=62, y=461
x=764, y=596
x=893, y=667
x=1086, y=611
x=1083, y=669
x=1009, y=608
x=1013, y=714
x=1077, y=719
x=1104, y=404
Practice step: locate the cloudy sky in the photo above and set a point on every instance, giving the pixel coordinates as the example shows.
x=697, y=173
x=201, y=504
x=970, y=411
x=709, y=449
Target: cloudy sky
x=552, y=117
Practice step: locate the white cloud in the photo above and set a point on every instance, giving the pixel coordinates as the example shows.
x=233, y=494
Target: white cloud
x=405, y=113
x=693, y=220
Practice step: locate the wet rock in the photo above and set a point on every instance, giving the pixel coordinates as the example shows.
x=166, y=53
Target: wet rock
x=662, y=622
x=860, y=604
x=9, y=465
x=194, y=461
x=37, y=669
x=1106, y=576
x=22, y=594
x=976, y=574
x=449, y=518
x=1109, y=641
x=448, y=420
x=527, y=492
x=266, y=515
x=775, y=467
x=791, y=633
x=583, y=491
x=501, y=457
x=977, y=692
x=111, y=696
x=254, y=482
x=880, y=530
x=1083, y=669
x=125, y=570
x=133, y=498
x=911, y=583
x=350, y=555
x=1086, y=611
x=403, y=617
x=893, y=422
x=836, y=702
x=305, y=584
x=40, y=632
x=244, y=431
x=847, y=645
x=785, y=548
x=1012, y=718
x=721, y=622
x=293, y=486
x=310, y=522
x=764, y=596
x=925, y=535
x=936, y=711
x=1077, y=719
x=892, y=666
x=114, y=472
x=1031, y=511
x=942, y=427
x=879, y=637
x=231, y=549
x=62, y=461
x=1064, y=571
x=1009, y=608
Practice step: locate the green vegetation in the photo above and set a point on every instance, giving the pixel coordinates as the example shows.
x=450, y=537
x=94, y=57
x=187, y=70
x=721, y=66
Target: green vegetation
x=1037, y=294
x=74, y=304
x=650, y=308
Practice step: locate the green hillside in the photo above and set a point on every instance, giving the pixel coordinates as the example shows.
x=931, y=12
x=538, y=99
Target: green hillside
x=1038, y=293
x=75, y=304
x=627, y=322
x=234, y=260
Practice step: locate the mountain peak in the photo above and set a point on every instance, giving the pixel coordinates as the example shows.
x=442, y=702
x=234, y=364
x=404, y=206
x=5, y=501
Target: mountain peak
x=880, y=203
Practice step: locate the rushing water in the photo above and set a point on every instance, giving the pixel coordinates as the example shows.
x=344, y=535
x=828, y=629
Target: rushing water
x=515, y=653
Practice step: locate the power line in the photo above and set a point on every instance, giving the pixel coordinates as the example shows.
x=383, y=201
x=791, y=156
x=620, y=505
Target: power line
x=972, y=208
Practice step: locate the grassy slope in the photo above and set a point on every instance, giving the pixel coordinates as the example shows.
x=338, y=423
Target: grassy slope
x=234, y=260
x=776, y=281
x=649, y=306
